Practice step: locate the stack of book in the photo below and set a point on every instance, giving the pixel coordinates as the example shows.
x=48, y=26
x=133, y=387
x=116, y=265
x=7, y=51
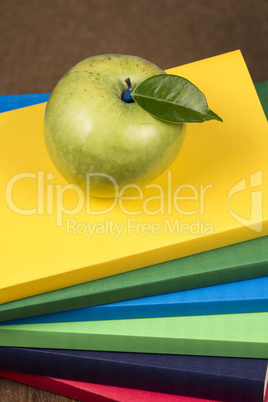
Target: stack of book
x=161, y=297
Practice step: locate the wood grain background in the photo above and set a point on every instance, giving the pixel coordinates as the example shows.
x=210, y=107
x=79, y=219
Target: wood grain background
x=11, y=391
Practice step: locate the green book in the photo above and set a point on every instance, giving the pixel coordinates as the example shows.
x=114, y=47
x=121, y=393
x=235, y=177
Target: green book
x=237, y=262
x=236, y=335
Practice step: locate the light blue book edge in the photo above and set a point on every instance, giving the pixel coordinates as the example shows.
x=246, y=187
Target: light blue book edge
x=11, y=102
x=237, y=297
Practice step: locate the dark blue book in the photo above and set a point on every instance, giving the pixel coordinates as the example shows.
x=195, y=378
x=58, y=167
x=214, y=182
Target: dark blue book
x=217, y=378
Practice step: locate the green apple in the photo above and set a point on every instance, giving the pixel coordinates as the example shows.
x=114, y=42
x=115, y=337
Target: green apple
x=100, y=142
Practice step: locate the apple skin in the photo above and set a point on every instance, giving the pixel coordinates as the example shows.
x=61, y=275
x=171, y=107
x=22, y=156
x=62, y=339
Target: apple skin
x=91, y=132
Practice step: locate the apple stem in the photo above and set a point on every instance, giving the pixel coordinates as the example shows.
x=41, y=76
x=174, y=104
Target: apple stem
x=128, y=82
x=127, y=94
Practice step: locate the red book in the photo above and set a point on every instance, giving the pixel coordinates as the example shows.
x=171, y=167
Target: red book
x=89, y=392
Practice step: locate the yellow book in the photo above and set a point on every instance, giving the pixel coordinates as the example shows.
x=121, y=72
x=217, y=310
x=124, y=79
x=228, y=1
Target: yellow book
x=215, y=194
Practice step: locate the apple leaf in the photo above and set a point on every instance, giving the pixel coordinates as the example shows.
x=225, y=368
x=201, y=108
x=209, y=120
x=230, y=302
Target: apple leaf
x=173, y=99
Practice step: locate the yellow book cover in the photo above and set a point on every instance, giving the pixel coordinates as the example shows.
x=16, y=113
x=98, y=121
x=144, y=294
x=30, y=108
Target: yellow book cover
x=215, y=194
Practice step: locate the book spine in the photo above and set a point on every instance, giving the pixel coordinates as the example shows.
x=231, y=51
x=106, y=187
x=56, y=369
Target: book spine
x=90, y=392
x=175, y=335
x=203, y=382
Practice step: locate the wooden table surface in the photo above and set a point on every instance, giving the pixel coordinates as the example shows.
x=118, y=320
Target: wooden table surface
x=11, y=391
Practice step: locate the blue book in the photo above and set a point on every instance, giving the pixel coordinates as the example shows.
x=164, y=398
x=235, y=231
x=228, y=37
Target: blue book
x=238, y=297
x=10, y=102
